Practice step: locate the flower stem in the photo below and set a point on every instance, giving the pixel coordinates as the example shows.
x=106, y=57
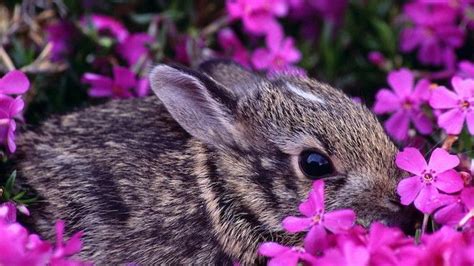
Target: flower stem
x=466, y=219
x=425, y=223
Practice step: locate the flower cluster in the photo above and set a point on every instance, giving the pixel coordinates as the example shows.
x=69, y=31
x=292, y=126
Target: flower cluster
x=12, y=86
x=132, y=48
x=18, y=247
x=420, y=47
x=423, y=102
x=259, y=18
x=333, y=239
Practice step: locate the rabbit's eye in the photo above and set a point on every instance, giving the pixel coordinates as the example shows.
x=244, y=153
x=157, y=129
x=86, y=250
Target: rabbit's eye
x=315, y=165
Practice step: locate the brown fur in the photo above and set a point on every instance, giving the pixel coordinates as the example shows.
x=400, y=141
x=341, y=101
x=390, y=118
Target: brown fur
x=207, y=172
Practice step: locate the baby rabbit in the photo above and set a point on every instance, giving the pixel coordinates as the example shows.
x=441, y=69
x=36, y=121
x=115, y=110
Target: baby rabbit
x=206, y=169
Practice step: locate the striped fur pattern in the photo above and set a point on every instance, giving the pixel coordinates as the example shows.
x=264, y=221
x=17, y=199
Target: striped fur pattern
x=205, y=171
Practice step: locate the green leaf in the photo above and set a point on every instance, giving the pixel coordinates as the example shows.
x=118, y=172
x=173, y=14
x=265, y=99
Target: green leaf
x=385, y=35
x=27, y=201
x=19, y=195
x=10, y=182
x=417, y=236
x=5, y=195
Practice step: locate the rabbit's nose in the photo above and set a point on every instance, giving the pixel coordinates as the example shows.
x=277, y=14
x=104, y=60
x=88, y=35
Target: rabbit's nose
x=393, y=205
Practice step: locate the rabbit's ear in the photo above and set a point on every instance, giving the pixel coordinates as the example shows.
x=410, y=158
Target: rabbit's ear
x=238, y=80
x=200, y=105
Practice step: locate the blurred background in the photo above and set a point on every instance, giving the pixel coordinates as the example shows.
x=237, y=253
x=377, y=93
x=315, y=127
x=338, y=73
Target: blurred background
x=57, y=42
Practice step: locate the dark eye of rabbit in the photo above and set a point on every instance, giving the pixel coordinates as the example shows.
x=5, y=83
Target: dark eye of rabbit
x=315, y=165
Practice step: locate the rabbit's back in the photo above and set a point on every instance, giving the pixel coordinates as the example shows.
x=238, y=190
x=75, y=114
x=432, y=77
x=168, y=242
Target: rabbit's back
x=123, y=173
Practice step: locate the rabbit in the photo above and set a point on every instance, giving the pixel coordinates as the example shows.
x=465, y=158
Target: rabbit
x=205, y=170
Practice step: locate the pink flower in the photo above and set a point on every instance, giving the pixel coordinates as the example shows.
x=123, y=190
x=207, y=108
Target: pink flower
x=332, y=10
x=8, y=212
x=467, y=197
x=405, y=103
x=452, y=212
x=382, y=242
x=280, y=53
x=14, y=82
x=282, y=255
x=9, y=109
x=106, y=24
x=119, y=87
x=61, y=35
x=233, y=47
x=258, y=16
x=438, y=175
x=376, y=58
x=434, y=32
x=317, y=221
x=64, y=250
x=134, y=47
x=458, y=105
x=465, y=69
x=20, y=248
x=439, y=247
x=348, y=254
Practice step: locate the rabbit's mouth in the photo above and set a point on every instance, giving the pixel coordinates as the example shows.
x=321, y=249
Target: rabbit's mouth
x=407, y=219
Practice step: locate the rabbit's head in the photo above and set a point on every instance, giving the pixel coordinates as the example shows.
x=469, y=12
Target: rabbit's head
x=270, y=139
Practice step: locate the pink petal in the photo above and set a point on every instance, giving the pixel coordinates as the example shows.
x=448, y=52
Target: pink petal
x=356, y=255
x=422, y=122
x=452, y=121
x=401, y=82
x=296, y=224
x=100, y=92
x=397, y=125
x=318, y=195
x=97, y=80
x=463, y=87
x=274, y=40
x=467, y=197
x=315, y=201
x=16, y=106
x=14, y=82
x=422, y=90
x=8, y=212
x=470, y=121
x=124, y=78
x=386, y=102
x=234, y=9
x=410, y=38
x=339, y=221
x=442, y=98
x=23, y=209
x=261, y=58
x=466, y=69
x=408, y=189
x=279, y=8
x=441, y=160
x=411, y=160
x=315, y=239
x=424, y=201
x=73, y=245
x=259, y=22
x=143, y=87
x=288, y=259
x=290, y=53
x=11, y=136
x=450, y=214
x=59, y=232
x=449, y=181
x=271, y=249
